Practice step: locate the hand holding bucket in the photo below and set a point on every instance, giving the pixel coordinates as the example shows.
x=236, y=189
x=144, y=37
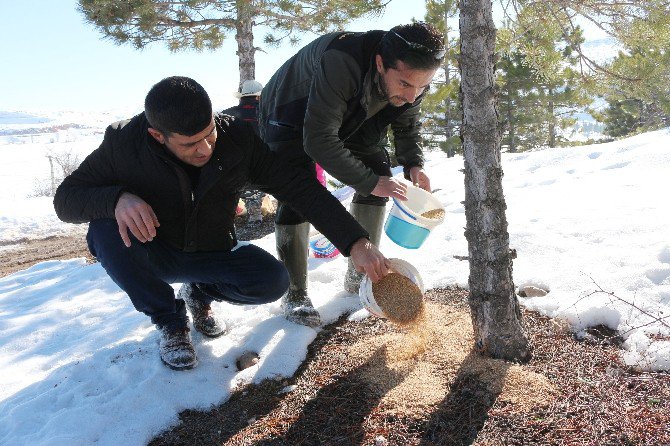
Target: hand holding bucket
x=399, y=266
x=409, y=223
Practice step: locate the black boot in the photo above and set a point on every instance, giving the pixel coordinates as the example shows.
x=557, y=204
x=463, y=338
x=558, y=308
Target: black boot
x=204, y=320
x=176, y=350
x=372, y=219
x=292, y=245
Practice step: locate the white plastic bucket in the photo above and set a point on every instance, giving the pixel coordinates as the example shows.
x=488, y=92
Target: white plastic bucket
x=397, y=266
x=405, y=225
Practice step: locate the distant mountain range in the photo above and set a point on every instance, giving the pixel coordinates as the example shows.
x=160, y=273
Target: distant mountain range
x=21, y=118
x=601, y=50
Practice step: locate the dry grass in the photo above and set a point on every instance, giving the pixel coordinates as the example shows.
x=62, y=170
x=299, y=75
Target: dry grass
x=370, y=383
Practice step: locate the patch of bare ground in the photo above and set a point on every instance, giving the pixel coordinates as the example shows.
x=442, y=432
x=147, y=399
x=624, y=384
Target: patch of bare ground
x=253, y=231
x=24, y=253
x=371, y=383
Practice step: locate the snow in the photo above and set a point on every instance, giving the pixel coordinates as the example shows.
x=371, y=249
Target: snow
x=81, y=366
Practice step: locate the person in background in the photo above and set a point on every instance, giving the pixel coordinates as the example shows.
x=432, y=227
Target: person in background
x=160, y=195
x=247, y=110
x=332, y=104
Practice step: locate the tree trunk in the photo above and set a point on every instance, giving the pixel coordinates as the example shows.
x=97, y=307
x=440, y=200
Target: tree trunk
x=552, y=122
x=245, y=41
x=496, y=317
x=448, y=127
x=510, y=123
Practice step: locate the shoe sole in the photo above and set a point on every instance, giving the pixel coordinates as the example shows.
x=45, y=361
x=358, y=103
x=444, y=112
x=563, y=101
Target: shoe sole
x=185, y=367
x=307, y=321
x=211, y=335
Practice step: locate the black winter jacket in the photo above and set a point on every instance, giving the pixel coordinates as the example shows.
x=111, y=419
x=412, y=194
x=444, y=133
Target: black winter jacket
x=246, y=110
x=130, y=160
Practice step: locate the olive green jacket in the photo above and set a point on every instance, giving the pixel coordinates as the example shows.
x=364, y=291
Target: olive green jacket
x=319, y=100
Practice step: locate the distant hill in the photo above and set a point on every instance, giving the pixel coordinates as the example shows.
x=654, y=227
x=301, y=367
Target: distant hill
x=602, y=50
x=8, y=118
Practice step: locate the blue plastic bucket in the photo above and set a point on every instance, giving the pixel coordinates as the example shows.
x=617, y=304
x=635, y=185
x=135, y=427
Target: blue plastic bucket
x=405, y=225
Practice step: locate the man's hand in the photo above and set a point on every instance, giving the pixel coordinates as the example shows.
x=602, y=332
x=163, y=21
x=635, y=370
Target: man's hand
x=368, y=259
x=390, y=187
x=133, y=213
x=419, y=178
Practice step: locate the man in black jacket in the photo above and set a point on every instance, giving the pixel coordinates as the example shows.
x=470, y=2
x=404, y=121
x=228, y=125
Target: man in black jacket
x=247, y=110
x=160, y=194
x=332, y=104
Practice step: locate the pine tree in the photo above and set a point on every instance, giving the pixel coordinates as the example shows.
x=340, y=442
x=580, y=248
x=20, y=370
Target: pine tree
x=495, y=310
x=639, y=73
x=623, y=117
x=204, y=24
x=522, y=113
x=441, y=107
x=639, y=94
x=496, y=316
x=540, y=81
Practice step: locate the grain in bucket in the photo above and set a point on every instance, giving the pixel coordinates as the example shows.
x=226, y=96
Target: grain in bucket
x=410, y=221
x=398, y=296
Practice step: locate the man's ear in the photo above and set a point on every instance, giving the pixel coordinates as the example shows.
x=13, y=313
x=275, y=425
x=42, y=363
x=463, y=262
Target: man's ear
x=158, y=136
x=380, y=63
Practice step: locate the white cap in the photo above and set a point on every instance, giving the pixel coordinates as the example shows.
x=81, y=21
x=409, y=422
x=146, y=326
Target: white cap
x=250, y=88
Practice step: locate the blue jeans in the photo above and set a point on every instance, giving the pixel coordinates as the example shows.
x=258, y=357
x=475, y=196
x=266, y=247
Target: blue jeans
x=248, y=275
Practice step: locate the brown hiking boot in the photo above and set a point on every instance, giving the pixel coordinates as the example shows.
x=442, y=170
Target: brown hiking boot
x=176, y=350
x=204, y=320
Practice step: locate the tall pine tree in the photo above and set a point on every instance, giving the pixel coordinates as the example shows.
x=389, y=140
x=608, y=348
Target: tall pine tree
x=204, y=24
x=639, y=94
x=441, y=107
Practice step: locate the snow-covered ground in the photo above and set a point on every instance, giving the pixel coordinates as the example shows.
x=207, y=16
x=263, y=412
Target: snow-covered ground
x=81, y=366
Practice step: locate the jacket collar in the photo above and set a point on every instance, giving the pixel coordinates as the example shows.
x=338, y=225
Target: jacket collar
x=369, y=82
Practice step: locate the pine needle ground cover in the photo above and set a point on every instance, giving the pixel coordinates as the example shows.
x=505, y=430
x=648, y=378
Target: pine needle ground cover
x=373, y=383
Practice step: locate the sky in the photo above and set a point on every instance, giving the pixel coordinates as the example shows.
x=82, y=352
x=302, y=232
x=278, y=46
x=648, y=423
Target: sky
x=81, y=366
x=56, y=61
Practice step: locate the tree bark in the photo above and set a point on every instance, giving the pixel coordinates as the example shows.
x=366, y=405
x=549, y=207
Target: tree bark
x=510, y=123
x=448, y=126
x=496, y=316
x=552, y=122
x=245, y=41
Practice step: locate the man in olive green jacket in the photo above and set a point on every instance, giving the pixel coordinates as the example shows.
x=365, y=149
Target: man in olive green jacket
x=332, y=104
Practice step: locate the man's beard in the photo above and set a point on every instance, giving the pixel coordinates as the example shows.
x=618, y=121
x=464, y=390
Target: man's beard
x=396, y=101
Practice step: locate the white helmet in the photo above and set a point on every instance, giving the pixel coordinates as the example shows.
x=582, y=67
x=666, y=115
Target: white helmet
x=250, y=88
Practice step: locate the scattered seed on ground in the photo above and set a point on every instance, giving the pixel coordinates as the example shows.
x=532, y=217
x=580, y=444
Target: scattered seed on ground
x=592, y=397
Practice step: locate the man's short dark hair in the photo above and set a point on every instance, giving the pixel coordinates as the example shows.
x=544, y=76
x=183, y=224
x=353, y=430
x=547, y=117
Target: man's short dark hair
x=178, y=104
x=419, y=45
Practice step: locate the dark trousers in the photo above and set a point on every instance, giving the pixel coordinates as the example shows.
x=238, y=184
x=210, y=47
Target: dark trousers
x=246, y=275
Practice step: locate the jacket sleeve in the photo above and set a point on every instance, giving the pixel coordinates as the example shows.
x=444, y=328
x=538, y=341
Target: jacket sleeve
x=92, y=190
x=335, y=82
x=301, y=190
x=406, y=132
